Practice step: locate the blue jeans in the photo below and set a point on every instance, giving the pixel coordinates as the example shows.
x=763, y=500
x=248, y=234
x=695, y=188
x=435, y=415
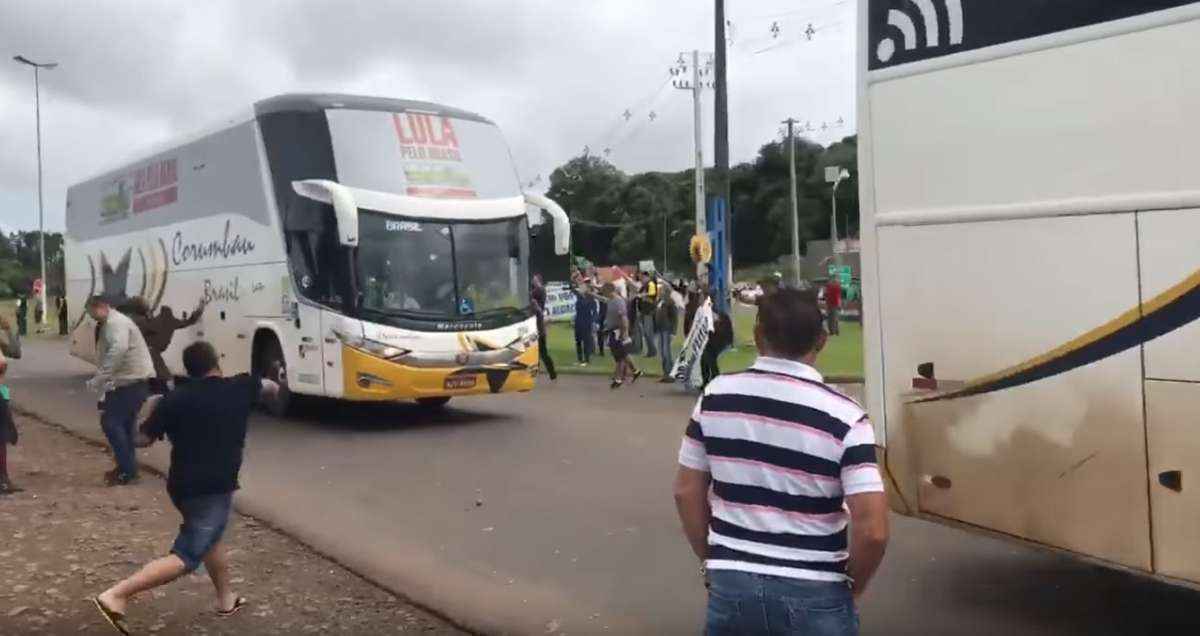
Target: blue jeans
x=121, y=406
x=744, y=603
x=204, y=521
x=648, y=334
x=664, y=351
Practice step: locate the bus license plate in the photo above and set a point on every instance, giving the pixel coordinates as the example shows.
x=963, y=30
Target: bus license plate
x=461, y=382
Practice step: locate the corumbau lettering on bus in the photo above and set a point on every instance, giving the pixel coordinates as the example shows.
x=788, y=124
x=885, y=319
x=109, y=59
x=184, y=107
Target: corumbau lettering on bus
x=183, y=252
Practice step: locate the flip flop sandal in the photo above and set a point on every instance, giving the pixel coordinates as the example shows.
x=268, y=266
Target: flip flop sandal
x=237, y=605
x=116, y=619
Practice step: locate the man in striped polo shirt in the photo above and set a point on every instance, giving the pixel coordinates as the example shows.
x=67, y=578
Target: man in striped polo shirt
x=778, y=488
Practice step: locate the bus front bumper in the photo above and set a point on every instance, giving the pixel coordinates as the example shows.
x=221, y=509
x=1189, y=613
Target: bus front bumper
x=369, y=378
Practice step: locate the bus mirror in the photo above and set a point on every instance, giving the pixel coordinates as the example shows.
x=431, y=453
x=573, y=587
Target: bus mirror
x=339, y=196
x=562, y=224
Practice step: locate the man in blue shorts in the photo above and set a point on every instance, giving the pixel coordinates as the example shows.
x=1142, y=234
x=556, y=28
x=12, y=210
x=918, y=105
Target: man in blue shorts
x=206, y=423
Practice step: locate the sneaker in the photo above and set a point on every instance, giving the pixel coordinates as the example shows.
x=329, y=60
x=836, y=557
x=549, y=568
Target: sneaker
x=666, y=379
x=122, y=479
x=111, y=476
x=8, y=488
x=636, y=375
x=616, y=384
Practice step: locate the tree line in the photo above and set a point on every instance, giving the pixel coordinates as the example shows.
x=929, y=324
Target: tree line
x=20, y=263
x=620, y=218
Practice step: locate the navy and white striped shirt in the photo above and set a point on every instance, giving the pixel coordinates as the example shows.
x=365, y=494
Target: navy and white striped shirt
x=784, y=450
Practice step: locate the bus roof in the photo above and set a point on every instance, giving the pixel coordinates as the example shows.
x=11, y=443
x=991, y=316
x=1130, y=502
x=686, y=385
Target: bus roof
x=309, y=102
x=288, y=102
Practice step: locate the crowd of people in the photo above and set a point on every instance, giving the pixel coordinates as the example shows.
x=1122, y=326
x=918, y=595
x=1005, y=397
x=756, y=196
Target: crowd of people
x=640, y=315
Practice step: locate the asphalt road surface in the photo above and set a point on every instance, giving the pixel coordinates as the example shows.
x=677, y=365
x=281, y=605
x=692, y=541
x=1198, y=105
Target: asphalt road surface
x=551, y=513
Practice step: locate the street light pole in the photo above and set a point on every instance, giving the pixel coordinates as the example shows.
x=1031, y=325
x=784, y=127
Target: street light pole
x=791, y=122
x=842, y=175
x=37, y=100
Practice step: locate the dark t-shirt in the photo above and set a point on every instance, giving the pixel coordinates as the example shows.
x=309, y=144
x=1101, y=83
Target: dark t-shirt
x=539, y=307
x=206, y=422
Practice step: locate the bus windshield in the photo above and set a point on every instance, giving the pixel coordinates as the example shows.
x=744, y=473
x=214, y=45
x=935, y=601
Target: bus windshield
x=439, y=270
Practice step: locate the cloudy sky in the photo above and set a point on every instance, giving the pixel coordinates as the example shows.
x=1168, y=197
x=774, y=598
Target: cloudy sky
x=556, y=75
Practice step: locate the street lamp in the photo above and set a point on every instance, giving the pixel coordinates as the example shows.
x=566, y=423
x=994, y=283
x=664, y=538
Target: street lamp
x=37, y=100
x=835, y=175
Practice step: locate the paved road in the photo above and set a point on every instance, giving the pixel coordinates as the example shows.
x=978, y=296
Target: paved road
x=576, y=531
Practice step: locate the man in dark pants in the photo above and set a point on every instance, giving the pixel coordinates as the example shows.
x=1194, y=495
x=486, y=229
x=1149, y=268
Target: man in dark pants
x=585, y=324
x=206, y=423
x=538, y=295
x=123, y=375
x=62, y=315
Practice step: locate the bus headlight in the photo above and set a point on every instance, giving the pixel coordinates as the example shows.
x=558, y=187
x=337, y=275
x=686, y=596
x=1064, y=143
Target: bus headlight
x=371, y=347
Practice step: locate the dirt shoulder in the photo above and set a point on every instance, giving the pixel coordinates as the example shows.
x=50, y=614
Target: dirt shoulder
x=67, y=537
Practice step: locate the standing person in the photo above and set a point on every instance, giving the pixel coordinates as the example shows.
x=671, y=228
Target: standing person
x=666, y=321
x=158, y=332
x=206, y=424
x=123, y=376
x=585, y=324
x=647, y=301
x=634, y=288
x=786, y=551
x=601, y=316
x=62, y=315
x=38, y=311
x=721, y=339
x=833, y=303
x=616, y=323
x=22, y=315
x=10, y=348
x=538, y=295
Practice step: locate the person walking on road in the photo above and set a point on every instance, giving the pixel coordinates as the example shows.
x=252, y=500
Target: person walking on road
x=616, y=323
x=791, y=526
x=62, y=315
x=10, y=347
x=833, y=304
x=206, y=424
x=538, y=295
x=720, y=340
x=585, y=324
x=666, y=322
x=123, y=376
x=22, y=313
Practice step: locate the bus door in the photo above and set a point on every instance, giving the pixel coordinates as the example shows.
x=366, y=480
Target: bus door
x=1170, y=283
x=305, y=360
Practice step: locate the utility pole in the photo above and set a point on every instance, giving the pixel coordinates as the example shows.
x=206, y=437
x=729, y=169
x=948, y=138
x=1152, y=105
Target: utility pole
x=791, y=141
x=721, y=134
x=696, y=87
x=37, y=100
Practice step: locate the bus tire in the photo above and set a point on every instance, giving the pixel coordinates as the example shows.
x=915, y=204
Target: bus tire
x=270, y=364
x=433, y=403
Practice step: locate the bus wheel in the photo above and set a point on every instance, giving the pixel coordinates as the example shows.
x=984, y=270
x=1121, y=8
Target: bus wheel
x=272, y=366
x=433, y=403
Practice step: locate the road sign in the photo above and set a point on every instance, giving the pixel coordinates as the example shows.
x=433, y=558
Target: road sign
x=832, y=173
x=843, y=274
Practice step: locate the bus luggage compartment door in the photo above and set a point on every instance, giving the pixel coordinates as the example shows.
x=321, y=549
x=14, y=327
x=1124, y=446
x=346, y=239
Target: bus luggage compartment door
x=1169, y=245
x=1040, y=457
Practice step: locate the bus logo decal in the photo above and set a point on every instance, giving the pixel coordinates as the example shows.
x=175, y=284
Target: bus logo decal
x=903, y=22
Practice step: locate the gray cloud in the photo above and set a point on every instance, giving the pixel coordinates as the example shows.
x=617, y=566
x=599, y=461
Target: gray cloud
x=555, y=75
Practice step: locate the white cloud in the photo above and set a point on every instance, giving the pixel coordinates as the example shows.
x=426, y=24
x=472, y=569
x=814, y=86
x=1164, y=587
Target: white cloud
x=555, y=75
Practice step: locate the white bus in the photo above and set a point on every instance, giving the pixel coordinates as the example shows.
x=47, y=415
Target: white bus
x=1030, y=186
x=375, y=249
